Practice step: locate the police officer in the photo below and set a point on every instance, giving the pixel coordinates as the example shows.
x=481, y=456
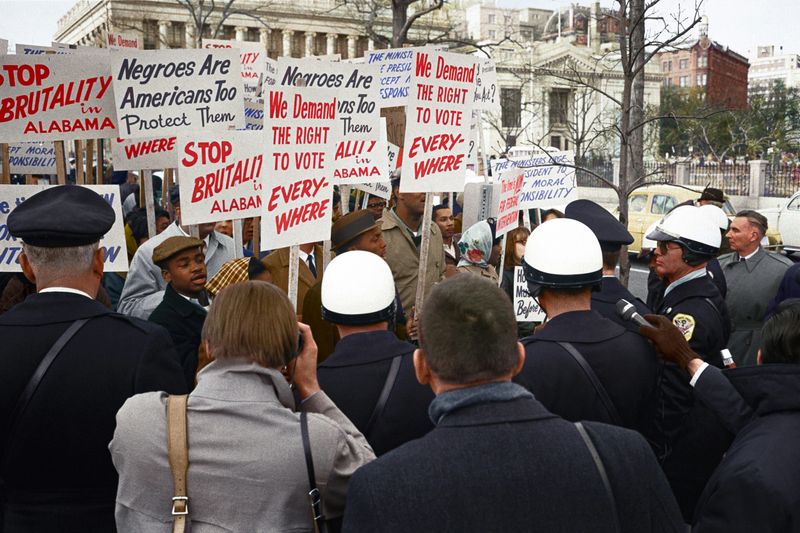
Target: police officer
x=370, y=374
x=580, y=365
x=612, y=235
x=67, y=365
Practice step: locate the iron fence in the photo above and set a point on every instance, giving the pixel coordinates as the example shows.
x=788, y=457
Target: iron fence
x=731, y=178
x=781, y=180
x=585, y=176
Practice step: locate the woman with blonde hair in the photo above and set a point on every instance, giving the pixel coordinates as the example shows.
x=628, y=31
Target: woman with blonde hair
x=248, y=469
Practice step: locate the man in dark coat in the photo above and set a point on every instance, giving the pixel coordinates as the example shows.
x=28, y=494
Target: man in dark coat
x=182, y=312
x=497, y=460
x=788, y=289
x=370, y=374
x=56, y=467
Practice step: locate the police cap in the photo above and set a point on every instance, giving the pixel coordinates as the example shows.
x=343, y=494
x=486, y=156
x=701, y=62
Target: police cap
x=610, y=232
x=349, y=227
x=60, y=217
x=173, y=246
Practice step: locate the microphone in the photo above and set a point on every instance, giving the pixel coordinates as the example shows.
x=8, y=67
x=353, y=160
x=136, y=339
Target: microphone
x=627, y=311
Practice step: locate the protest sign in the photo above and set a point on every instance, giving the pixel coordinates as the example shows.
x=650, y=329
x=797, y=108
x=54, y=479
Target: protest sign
x=525, y=307
x=395, y=67
x=253, y=114
x=56, y=97
x=220, y=176
x=300, y=141
x=270, y=73
x=117, y=40
x=487, y=95
x=438, y=122
x=144, y=154
x=546, y=182
x=472, y=147
x=32, y=158
x=112, y=244
x=32, y=50
x=508, y=201
x=383, y=188
x=359, y=156
x=3, y=47
x=252, y=59
x=167, y=92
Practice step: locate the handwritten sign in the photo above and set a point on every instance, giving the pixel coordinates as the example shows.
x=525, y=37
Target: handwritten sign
x=117, y=40
x=56, y=97
x=547, y=182
x=270, y=74
x=32, y=158
x=508, y=201
x=112, y=243
x=166, y=92
x=220, y=175
x=525, y=307
x=438, y=122
x=252, y=59
x=300, y=142
x=144, y=154
x=487, y=95
x=395, y=67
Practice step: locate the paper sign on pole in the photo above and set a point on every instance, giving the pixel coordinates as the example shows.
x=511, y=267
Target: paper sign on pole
x=254, y=114
x=3, y=47
x=166, y=92
x=117, y=40
x=252, y=57
x=487, y=95
x=546, y=182
x=270, y=74
x=525, y=307
x=144, y=154
x=396, y=66
x=438, y=122
x=32, y=49
x=508, y=201
x=220, y=176
x=298, y=191
x=112, y=243
x=383, y=188
x=32, y=158
x=56, y=97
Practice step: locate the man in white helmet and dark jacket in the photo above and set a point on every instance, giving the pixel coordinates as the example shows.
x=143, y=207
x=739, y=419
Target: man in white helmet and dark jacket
x=370, y=374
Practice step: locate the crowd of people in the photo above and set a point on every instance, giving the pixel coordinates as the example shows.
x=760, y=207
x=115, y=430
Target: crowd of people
x=191, y=394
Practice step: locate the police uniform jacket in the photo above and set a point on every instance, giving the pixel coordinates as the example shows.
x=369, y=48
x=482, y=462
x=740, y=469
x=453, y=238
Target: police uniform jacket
x=353, y=377
x=789, y=288
x=511, y=466
x=623, y=361
x=59, y=475
x=184, y=322
x=605, y=301
x=714, y=270
x=751, y=286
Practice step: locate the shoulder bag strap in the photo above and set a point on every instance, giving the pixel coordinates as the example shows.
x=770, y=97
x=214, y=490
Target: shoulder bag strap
x=178, y=454
x=314, y=495
x=601, y=469
x=595, y=381
x=36, y=379
x=388, y=385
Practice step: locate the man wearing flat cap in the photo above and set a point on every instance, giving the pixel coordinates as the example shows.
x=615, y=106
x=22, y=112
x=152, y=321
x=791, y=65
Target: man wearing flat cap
x=67, y=365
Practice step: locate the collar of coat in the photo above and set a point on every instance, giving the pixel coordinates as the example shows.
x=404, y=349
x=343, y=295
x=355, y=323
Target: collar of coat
x=241, y=380
x=577, y=326
x=518, y=410
x=367, y=347
x=180, y=304
x=732, y=259
x=770, y=388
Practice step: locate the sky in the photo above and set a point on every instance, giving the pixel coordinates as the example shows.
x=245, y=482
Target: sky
x=740, y=24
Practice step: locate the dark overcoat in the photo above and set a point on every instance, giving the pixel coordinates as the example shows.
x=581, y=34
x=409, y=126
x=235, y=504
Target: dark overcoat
x=59, y=475
x=605, y=301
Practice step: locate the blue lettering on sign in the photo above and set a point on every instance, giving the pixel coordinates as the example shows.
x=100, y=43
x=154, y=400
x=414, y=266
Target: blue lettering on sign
x=110, y=254
x=109, y=198
x=10, y=255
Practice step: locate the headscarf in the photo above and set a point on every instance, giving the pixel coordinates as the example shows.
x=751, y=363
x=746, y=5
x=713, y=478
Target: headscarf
x=476, y=245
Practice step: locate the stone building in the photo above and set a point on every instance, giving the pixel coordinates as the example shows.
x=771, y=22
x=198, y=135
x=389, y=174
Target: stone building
x=769, y=66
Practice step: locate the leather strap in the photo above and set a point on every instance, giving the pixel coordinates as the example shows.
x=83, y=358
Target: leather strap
x=178, y=453
x=388, y=385
x=595, y=381
x=601, y=469
x=314, y=495
x=36, y=379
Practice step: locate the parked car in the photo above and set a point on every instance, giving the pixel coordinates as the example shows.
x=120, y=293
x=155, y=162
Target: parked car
x=786, y=221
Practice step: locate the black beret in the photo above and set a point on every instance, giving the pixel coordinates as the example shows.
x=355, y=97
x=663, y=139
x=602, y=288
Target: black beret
x=61, y=216
x=347, y=228
x=608, y=230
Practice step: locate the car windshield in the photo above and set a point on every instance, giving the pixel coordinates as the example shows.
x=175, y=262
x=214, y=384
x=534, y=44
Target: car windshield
x=728, y=208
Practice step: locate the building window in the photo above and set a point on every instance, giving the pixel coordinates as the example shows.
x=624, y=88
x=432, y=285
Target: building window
x=668, y=82
x=701, y=80
x=702, y=61
x=559, y=107
x=665, y=66
x=176, y=35
x=684, y=81
x=684, y=64
x=150, y=37
x=252, y=35
x=491, y=19
x=555, y=141
x=511, y=107
x=526, y=35
x=492, y=34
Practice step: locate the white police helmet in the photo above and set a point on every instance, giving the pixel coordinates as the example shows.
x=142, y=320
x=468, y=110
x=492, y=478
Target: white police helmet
x=563, y=253
x=358, y=288
x=716, y=215
x=691, y=228
x=649, y=244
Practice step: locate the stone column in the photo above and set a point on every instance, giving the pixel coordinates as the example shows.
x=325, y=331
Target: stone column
x=682, y=171
x=758, y=175
x=263, y=37
x=287, y=43
x=190, y=36
x=370, y=45
x=351, y=46
x=241, y=33
x=309, y=43
x=331, y=44
x=163, y=26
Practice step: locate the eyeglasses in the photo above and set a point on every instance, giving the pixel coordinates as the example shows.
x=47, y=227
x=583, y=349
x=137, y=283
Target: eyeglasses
x=664, y=246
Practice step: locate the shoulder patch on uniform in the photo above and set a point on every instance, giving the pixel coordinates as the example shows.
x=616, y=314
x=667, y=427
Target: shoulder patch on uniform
x=685, y=323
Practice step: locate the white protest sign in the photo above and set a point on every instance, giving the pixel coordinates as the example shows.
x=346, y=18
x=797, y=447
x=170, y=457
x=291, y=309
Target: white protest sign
x=359, y=156
x=112, y=244
x=525, y=307
x=166, y=92
x=144, y=154
x=56, y=97
x=546, y=182
x=300, y=141
x=472, y=148
x=33, y=50
x=254, y=114
x=438, y=122
x=252, y=57
x=395, y=66
x=487, y=95
x=117, y=40
x=381, y=189
x=270, y=73
x=3, y=47
x=508, y=201
x=32, y=158
x=220, y=176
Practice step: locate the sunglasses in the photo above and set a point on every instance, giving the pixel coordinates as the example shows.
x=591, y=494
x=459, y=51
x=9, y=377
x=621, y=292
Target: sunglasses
x=664, y=246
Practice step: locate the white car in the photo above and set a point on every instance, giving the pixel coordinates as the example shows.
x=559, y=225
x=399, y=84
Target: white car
x=787, y=221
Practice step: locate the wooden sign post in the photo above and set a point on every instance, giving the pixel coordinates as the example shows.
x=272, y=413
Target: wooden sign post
x=5, y=178
x=294, y=273
x=149, y=204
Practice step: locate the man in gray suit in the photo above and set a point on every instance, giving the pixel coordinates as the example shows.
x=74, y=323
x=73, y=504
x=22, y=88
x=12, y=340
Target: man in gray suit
x=753, y=276
x=144, y=286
